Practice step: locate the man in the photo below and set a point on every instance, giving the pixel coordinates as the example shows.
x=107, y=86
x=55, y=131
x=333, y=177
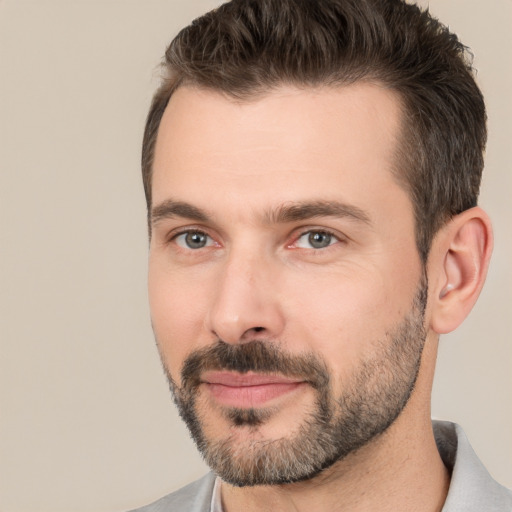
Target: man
x=311, y=170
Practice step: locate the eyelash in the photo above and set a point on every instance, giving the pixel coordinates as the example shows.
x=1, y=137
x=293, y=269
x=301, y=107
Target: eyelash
x=337, y=238
x=188, y=231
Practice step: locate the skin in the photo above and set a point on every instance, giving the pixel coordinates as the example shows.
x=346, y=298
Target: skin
x=240, y=163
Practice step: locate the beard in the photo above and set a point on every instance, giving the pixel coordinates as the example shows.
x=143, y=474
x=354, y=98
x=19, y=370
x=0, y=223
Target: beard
x=370, y=401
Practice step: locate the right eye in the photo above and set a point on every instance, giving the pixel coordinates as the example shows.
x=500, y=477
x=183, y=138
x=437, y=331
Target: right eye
x=193, y=240
x=316, y=239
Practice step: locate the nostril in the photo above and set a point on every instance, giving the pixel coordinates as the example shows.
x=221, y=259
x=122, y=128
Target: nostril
x=252, y=334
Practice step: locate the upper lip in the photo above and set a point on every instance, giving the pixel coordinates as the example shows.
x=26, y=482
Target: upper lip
x=233, y=379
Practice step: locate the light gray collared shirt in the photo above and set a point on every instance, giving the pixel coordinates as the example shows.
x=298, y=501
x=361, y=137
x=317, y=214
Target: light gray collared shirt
x=472, y=489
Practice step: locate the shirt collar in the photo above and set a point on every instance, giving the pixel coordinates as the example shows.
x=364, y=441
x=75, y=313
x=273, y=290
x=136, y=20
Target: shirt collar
x=472, y=489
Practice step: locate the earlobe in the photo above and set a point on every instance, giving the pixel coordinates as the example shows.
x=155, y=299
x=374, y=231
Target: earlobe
x=462, y=252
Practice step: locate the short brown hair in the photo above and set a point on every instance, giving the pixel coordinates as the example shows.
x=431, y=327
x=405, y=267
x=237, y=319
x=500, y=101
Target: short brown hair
x=246, y=48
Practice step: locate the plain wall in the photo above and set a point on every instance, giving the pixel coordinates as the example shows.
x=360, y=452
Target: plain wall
x=86, y=419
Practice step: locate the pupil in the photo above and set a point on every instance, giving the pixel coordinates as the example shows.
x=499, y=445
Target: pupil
x=195, y=240
x=319, y=240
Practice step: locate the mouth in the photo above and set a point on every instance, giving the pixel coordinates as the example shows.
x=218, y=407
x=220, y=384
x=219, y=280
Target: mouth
x=248, y=390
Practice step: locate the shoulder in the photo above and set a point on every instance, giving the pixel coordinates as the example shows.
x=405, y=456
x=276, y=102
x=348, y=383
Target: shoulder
x=472, y=489
x=195, y=497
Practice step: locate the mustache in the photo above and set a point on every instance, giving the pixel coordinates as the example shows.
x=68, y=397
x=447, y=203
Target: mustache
x=256, y=356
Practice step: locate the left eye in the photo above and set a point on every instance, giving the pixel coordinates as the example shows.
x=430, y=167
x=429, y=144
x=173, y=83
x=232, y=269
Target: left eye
x=315, y=240
x=193, y=240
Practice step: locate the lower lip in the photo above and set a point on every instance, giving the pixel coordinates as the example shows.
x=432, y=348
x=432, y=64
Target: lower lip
x=251, y=396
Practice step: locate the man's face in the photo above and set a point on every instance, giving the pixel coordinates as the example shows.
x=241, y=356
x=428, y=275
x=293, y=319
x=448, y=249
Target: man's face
x=286, y=290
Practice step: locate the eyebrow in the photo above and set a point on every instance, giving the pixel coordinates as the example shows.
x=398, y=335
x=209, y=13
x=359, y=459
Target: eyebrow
x=289, y=212
x=294, y=212
x=171, y=209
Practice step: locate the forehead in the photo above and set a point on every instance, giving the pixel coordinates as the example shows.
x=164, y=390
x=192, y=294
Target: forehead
x=290, y=144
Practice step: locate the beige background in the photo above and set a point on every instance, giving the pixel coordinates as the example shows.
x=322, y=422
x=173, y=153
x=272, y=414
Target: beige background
x=86, y=421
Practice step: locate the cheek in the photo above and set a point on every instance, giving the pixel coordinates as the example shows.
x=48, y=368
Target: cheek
x=336, y=320
x=177, y=306
x=343, y=315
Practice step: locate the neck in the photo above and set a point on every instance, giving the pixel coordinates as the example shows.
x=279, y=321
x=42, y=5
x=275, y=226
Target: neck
x=392, y=473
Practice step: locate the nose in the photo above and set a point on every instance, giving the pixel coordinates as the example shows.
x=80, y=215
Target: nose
x=246, y=303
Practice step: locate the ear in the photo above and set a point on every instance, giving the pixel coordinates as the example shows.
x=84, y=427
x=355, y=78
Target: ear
x=458, y=265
